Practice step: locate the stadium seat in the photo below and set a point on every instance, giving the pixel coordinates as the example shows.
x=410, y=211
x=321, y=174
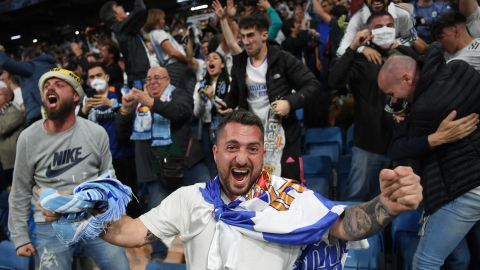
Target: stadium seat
x=9, y=259
x=165, y=266
x=405, y=238
x=371, y=258
x=343, y=169
x=318, y=173
x=324, y=142
x=299, y=114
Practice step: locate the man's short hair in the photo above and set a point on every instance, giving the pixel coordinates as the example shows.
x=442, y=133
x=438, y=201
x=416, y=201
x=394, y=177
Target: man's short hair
x=107, y=15
x=447, y=19
x=257, y=21
x=97, y=64
x=243, y=117
x=378, y=14
x=112, y=48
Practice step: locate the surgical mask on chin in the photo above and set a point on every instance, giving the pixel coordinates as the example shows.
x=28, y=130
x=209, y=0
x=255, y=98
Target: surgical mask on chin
x=99, y=84
x=384, y=36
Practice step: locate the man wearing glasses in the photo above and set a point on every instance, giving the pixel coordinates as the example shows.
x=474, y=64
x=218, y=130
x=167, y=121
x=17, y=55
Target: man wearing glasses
x=157, y=120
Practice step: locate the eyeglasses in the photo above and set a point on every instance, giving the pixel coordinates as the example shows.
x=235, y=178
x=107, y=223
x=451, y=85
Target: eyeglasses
x=156, y=78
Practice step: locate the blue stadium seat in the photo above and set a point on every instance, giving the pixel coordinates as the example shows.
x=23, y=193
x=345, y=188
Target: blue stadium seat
x=9, y=259
x=318, y=173
x=405, y=238
x=343, y=169
x=349, y=140
x=165, y=266
x=366, y=258
x=299, y=114
x=324, y=141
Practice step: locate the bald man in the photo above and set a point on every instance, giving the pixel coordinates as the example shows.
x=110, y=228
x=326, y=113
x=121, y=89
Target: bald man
x=160, y=117
x=448, y=149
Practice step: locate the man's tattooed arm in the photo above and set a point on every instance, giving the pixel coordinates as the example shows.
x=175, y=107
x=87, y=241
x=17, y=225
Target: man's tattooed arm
x=366, y=219
x=150, y=237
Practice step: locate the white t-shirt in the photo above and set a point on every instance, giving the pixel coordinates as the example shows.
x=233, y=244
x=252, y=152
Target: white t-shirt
x=473, y=23
x=257, y=98
x=18, y=99
x=469, y=54
x=187, y=214
x=160, y=36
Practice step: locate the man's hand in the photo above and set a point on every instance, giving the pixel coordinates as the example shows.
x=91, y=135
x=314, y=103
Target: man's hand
x=372, y=55
x=100, y=100
x=263, y=4
x=360, y=39
x=222, y=107
x=281, y=107
x=48, y=215
x=231, y=9
x=26, y=250
x=143, y=97
x=218, y=9
x=451, y=130
x=400, y=190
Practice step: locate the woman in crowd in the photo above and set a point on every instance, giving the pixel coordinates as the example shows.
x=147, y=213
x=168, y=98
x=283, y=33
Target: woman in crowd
x=213, y=87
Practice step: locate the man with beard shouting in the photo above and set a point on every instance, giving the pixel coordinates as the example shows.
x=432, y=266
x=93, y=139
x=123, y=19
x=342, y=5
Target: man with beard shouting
x=247, y=219
x=59, y=152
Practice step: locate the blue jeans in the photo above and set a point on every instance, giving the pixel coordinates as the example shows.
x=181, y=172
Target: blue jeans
x=445, y=229
x=54, y=254
x=362, y=183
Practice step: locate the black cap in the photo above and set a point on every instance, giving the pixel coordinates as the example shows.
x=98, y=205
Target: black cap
x=447, y=19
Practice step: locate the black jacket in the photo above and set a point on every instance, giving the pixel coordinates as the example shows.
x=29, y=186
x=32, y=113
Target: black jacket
x=284, y=73
x=179, y=111
x=130, y=42
x=373, y=126
x=452, y=169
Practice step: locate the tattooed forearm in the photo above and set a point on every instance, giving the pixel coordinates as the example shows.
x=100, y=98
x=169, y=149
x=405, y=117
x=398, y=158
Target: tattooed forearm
x=366, y=219
x=150, y=237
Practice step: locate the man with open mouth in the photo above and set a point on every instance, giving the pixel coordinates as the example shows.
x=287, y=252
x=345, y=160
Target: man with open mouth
x=245, y=218
x=58, y=152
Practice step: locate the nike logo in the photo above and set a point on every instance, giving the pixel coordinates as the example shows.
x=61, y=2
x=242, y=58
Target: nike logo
x=56, y=172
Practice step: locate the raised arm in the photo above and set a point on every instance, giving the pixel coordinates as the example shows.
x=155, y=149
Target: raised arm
x=400, y=191
x=228, y=34
x=467, y=7
x=317, y=6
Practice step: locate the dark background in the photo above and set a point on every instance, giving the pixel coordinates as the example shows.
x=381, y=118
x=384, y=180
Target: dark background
x=56, y=20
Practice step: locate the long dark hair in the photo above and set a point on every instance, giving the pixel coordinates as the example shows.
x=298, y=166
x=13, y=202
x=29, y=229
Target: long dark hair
x=223, y=77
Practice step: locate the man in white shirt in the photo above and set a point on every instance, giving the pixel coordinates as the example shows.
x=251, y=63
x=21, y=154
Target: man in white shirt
x=207, y=229
x=13, y=83
x=451, y=31
x=471, y=10
x=403, y=21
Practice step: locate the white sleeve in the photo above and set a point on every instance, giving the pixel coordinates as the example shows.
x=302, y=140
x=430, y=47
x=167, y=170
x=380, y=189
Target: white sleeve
x=198, y=107
x=473, y=23
x=160, y=36
x=407, y=33
x=352, y=28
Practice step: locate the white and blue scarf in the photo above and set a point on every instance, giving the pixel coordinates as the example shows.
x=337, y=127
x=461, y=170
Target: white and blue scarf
x=104, y=195
x=286, y=213
x=153, y=126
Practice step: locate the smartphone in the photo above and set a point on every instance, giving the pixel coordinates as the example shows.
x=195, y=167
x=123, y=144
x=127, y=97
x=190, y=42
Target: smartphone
x=220, y=103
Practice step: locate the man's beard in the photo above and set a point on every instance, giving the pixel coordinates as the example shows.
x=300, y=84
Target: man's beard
x=61, y=112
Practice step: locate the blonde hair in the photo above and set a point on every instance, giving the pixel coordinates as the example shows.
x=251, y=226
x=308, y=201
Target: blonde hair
x=154, y=15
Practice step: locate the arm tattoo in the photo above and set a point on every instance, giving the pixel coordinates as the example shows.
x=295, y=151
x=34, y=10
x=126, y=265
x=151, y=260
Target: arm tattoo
x=366, y=219
x=150, y=237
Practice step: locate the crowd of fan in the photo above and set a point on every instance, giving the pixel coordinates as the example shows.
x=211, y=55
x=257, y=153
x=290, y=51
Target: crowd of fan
x=336, y=49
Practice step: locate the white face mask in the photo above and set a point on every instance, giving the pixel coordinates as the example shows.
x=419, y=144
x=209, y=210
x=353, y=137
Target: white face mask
x=384, y=36
x=99, y=84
